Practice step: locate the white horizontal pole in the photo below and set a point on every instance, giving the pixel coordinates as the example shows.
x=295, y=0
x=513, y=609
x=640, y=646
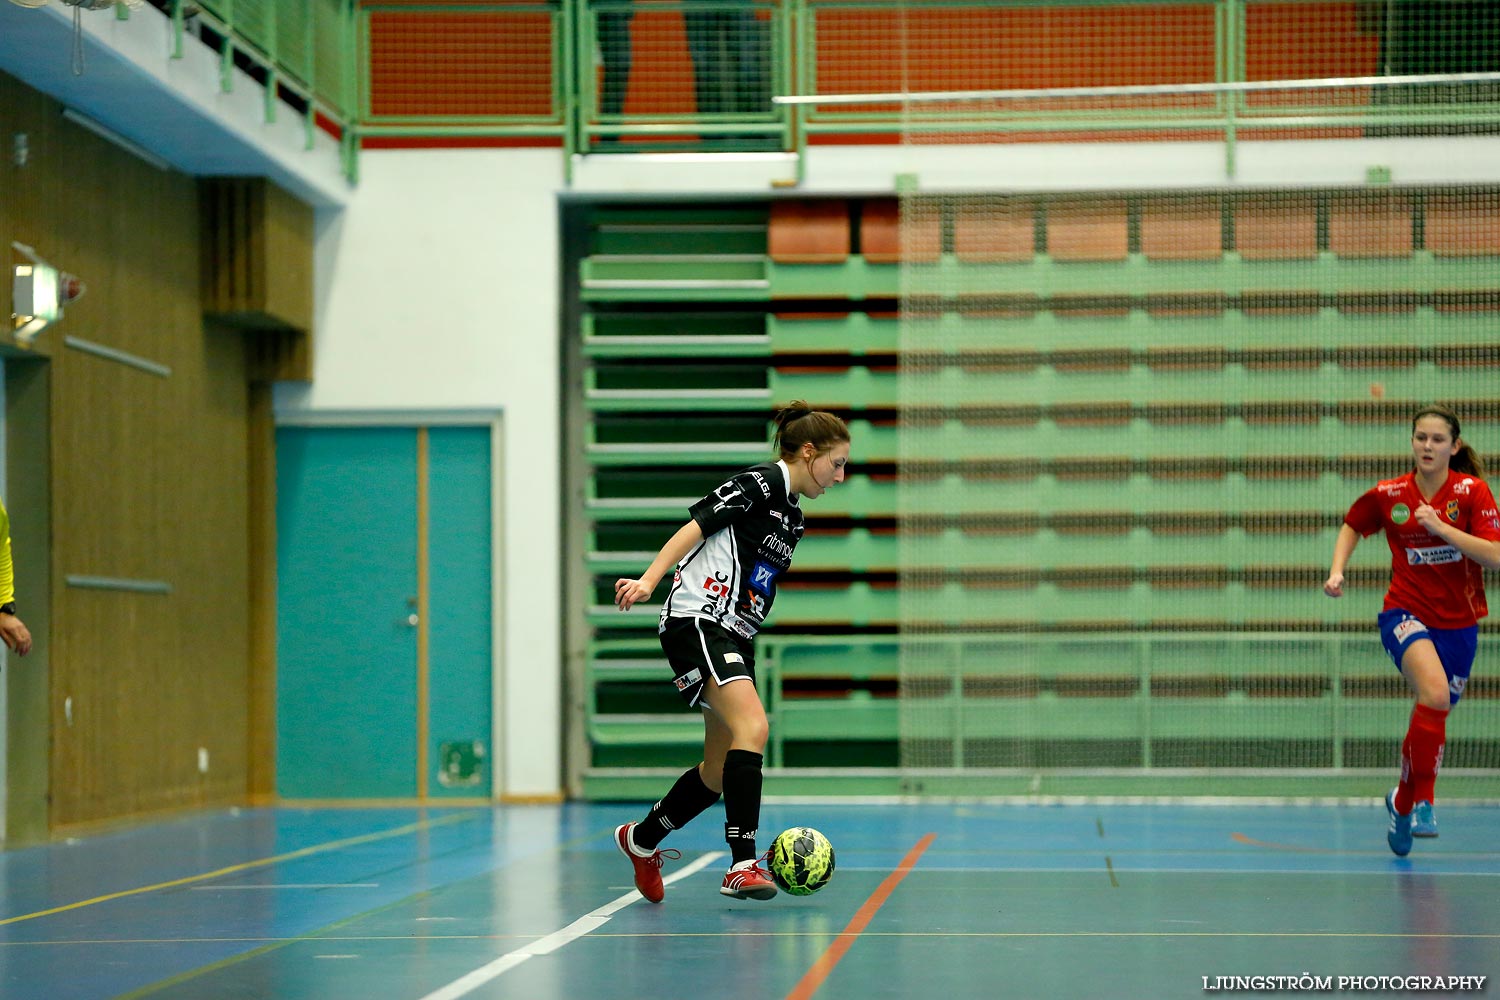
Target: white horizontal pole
x=1141, y=90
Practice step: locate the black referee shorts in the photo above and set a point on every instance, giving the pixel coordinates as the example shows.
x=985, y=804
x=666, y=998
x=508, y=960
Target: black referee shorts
x=698, y=648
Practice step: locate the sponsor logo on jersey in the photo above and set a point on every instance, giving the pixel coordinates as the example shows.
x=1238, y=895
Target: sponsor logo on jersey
x=716, y=585
x=737, y=625
x=1408, y=627
x=1461, y=488
x=734, y=658
x=760, y=481
x=731, y=497
x=763, y=577
x=688, y=679
x=774, y=545
x=756, y=605
x=1390, y=489
x=1400, y=514
x=787, y=525
x=1433, y=556
x=1451, y=510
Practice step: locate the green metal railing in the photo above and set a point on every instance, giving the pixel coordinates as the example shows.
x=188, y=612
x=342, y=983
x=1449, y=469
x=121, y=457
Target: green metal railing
x=1325, y=689
x=528, y=70
x=798, y=40
x=302, y=51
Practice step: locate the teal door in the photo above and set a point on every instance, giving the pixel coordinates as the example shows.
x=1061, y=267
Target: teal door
x=383, y=612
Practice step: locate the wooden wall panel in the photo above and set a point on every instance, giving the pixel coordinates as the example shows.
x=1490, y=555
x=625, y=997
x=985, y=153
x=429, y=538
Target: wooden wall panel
x=288, y=240
x=149, y=481
x=27, y=454
x=257, y=272
x=262, y=681
x=28, y=500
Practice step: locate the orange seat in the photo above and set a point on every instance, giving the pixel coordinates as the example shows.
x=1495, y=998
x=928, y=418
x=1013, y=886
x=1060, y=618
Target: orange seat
x=1370, y=224
x=1182, y=228
x=1463, y=225
x=885, y=237
x=1276, y=227
x=1088, y=229
x=995, y=233
x=809, y=232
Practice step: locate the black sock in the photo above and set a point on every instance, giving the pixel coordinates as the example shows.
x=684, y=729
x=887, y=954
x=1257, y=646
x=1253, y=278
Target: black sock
x=742, y=780
x=686, y=799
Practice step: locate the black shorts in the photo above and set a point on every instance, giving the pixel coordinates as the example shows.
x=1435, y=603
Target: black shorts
x=697, y=648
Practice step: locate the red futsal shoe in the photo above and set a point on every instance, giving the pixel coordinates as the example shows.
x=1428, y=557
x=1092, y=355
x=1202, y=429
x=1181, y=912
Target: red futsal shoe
x=647, y=866
x=748, y=880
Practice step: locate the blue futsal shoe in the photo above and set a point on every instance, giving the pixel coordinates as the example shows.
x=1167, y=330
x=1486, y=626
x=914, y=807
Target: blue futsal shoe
x=1399, y=833
x=1423, y=822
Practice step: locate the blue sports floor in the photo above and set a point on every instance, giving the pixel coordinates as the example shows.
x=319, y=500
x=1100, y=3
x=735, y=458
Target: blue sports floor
x=931, y=901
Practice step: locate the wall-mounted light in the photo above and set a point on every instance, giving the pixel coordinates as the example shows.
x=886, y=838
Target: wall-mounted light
x=38, y=293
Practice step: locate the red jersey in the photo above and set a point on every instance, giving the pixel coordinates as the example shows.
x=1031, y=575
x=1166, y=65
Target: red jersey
x=1430, y=578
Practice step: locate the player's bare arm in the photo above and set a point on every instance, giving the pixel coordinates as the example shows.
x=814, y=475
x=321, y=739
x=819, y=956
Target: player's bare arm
x=1483, y=551
x=1343, y=548
x=629, y=592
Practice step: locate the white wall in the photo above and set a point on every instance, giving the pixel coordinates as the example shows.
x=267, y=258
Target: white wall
x=437, y=291
x=1042, y=166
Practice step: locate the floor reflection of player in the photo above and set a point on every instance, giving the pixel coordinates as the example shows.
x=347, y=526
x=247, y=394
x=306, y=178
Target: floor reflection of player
x=1427, y=912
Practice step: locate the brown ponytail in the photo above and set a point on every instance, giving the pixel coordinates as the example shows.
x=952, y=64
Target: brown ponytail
x=798, y=424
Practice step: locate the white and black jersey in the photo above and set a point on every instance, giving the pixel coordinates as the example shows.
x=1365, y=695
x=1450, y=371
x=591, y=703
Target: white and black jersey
x=750, y=526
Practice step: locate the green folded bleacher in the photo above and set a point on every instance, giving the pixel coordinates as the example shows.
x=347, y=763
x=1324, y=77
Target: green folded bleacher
x=1134, y=582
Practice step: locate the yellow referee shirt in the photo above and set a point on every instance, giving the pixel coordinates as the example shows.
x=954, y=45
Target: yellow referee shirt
x=7, y=574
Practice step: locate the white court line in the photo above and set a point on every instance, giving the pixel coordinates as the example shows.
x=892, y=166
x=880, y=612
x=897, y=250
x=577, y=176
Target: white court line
x=545, y=946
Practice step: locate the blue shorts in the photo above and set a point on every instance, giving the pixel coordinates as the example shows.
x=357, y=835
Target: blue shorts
x=1455, y=646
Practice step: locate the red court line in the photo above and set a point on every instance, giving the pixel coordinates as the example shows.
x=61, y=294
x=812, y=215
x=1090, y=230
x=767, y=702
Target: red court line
x=861, y=919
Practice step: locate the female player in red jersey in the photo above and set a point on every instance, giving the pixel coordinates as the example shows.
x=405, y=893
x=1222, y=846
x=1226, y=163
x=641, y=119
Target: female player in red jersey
x=728, y=558
x=1441, y=523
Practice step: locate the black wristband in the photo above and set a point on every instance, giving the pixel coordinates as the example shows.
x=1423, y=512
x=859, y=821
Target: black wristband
x=8, y=608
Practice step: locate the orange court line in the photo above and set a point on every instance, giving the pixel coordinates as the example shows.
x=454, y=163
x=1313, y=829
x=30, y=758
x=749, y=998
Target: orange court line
x=1242, y=839
x=861, y=919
